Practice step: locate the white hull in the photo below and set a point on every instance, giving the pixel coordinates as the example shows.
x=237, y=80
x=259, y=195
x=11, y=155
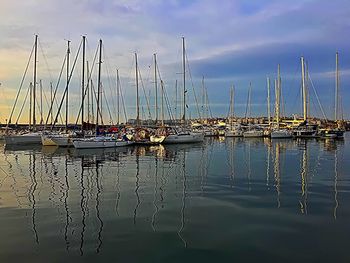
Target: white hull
x=99, y=143
x=209, y=133
x=190, y=137
x=234, y=133
x=62, y=140
x=29, y=138
x=46, y=140
x=253, y=134
x=280, y=134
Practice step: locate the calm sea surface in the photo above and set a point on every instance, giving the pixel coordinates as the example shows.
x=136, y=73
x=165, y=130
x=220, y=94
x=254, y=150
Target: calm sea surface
x=252, y=200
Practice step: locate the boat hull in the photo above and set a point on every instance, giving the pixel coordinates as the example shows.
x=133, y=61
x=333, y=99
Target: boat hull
x=96, y=144
x=253, y=134
x=22, y=139
x=281, y=134
x=184, y=138
x=62, y=141
x=46, y=140
x=234, y=133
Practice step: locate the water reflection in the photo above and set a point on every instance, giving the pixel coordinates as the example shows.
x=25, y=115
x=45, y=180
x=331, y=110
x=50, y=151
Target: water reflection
x=137, y=183
x=277, y=174
x=86, y=200
x=32, y=190
x=183, y=206
x=304, y=179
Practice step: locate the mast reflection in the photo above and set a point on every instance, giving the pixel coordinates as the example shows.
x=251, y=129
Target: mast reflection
x=156, y=209
x=304, y=178
x=82, y=207
x=277, y=174
x=183, y=208
x=68, y=217
x=98, y=193
x=137, y=186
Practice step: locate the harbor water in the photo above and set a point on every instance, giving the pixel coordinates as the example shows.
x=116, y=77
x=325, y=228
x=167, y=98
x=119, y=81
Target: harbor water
x=224, y=200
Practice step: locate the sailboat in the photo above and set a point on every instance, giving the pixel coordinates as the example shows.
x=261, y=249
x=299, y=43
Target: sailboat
x=183, y=136
x=32, y=137
x=205, y=127
x=61, y=139
x=234, y=131
x=142, y=135
x=100, y=141
x=65, y=139
x=158, y=137
x=337, y=132
x=304, y=130
x=279, y=133
x=253, y=132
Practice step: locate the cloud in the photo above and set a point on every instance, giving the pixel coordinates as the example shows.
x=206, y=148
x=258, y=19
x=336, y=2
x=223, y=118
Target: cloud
x=227, y=41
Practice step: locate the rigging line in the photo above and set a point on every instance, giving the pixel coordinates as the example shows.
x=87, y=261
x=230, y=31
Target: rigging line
x=99, y=108
x=25, y=100
x=68, y=82
x=20, y=87
x=296, y=98
x=282, y=98
x=208, y=104
x=147, y=81
x=194, y=91
x=318, y=100
x=122, y=98
x=50, y=75
x=46, y=100
x=87, y=86
x=167, y=101
x=229, y=109
x=110, y=81
x=45, y=59
x=314, y=105
x=109, y=111
x=292, y=84
x=144, y=93
x=246, y=107
x=55, y=92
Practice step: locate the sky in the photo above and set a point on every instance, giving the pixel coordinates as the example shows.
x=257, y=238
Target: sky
x=228, y=42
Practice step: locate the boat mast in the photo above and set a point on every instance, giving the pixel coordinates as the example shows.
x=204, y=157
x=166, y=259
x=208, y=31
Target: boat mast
x=233, y=102
x=155, y=87
x=184, y=81
x=250, y=100
x=99, y=87
x=268, y=101
x=137, y=92
x=34, y=79
x=175, y=100
x=88, y=92
x=118, y=95
x=304, y=88
x=68, y=52
x=336, y=87
x=51, y=99
x=30, y=104
x=41, y=102
x=203, y=100
x=278, y=96
x=83, y=85
x=231, y=106
x=162, y=86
